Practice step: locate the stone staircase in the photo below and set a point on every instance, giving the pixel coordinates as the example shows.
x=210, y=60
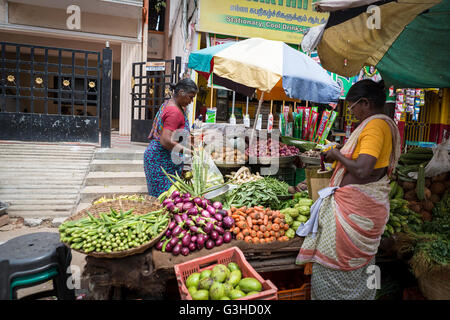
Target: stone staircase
x=42, y=180
x=112, y=172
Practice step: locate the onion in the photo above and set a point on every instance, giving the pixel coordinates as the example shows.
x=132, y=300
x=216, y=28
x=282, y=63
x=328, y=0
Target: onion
x=211, y=209
x=175, y=194
x=187, y=206
x=159, y=245
x=185, y=251
x=177, y=200
x=219, y=241
x=209, y=244
x=192, y=246
x=227, y=237
x=214, y=235
x=176, y=250
x=218, y=217
x=228, y=222
x=217, y=205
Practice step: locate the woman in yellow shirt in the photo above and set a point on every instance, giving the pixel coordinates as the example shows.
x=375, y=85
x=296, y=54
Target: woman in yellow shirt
x=352, y=212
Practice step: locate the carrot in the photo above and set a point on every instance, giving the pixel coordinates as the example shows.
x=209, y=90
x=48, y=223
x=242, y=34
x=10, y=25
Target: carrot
x=254, y=221
x=255, y=240
x=249, y=222
x=256, y=228
x=286, y=238
x=269, y=226
x=263, y=228
x=281, y=215
x=275, y=215
x=277, y=234
x=267, y=234
x=240, y=236
x=259, y=234
x=253, y=233
x=272, y=239
x=281, y=232
x=260, y=221
x=235, y=216
x=229, y=213
x=281, y=226
x=236, y=230
x=248, y=239
x=241, y=224
x=246, y=232
x=277, y=220
x=275, y=227
x=233, y=209
x=266, y=220
x=286, y=227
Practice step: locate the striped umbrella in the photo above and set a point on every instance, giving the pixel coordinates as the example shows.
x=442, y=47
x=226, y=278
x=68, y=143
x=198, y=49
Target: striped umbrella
x=407, y=41
x=269, y=67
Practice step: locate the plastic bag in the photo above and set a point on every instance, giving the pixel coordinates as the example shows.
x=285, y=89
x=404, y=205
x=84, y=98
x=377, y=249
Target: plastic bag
x=312, y=38
x=213, y=175
x=440, y=162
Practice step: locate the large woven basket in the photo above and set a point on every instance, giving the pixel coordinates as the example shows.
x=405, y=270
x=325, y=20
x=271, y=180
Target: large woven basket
x=435, y=285
x=139, y=208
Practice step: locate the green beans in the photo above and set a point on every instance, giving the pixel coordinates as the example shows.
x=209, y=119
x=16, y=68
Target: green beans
x=113, y=231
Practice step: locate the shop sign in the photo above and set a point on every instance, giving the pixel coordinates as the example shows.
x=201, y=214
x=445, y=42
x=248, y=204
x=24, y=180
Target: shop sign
x=156, y=66
x=282, y=20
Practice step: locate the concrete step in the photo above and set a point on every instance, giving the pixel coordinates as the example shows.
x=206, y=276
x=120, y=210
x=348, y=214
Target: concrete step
x=89, y=193
x=36, y=146
x=40, y=207
x=117, y=165
x=11, y=197
x=119, y=154
x=38, y=192
x=41, y=202
x=34, y=187
x=43, y=165
x=23, y=180
x=47, y=214
x=43, y=157
x=101, y=178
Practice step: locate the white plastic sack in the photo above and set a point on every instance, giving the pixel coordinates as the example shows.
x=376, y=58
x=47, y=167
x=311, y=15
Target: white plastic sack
x=440, y=162
x=312, y=38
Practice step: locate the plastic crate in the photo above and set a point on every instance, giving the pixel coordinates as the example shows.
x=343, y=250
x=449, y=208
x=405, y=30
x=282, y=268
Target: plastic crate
x=302, y=293
x=234, y=254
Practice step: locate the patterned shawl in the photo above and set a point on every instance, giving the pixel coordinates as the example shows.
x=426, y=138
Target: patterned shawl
x=352, y=220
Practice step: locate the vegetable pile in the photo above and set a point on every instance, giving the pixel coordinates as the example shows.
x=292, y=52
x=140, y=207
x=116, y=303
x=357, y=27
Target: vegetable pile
x=297, y=209
x=401, y=218
x=197, y=224
x=134, y=197
x=263, y=192
x=221, y=283
x=271, y=148
x=261, y=225
x=113, y=231
x=228, y=155
x=243, y=175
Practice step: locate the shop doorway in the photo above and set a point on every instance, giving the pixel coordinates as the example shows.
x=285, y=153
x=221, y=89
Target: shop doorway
x=150, y=87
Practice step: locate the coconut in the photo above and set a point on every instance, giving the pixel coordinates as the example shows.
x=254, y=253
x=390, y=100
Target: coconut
x=440, y=177
x=427, y=205
x=409, y=185
x=415, y=206
x=435, y=198
x=426, y=216
x=427, y=193
x=411, y=195
x=427, y=182
x=437, y=188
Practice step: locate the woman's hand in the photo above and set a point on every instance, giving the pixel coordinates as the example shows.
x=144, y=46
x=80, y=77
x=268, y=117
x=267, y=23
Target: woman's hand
x=332, y=155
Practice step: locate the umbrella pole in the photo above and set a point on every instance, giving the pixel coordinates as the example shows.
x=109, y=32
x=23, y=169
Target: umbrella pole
x=212, y=90
x=252, y=136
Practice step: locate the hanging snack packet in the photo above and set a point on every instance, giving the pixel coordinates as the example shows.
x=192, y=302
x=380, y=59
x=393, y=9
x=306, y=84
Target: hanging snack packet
x=306, y=113
x=211, y=115
x=313, y=125
x=270, y=123
x=330, y=122
x=259, y=122
x=247, y=120
x=322, y=125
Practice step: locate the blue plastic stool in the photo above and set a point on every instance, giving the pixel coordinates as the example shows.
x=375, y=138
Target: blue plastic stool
x=33, y=259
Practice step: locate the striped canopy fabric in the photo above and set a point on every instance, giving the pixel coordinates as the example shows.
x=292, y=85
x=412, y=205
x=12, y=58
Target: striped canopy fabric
x=268, y=66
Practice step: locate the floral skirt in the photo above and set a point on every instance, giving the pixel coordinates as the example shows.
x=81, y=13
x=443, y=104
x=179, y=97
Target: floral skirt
x=155, y=157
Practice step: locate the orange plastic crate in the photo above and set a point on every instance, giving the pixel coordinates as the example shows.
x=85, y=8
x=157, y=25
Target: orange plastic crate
x=234, y=254
x=302, y=293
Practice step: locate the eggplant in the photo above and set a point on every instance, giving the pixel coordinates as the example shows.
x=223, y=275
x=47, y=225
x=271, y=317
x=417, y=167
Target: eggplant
x=228, y=222
x=198, y=201
x=200, y=245
x=206, y=214
x=214, y=235
x=170, y=206
x=211, y=209
x=182, y=234
x=186, y=195
x=169, y=247
x=178, y=219
x=208, y=227
x=187, y=206
x=194, y=238
x=218, y=217
x=219, y=224
x=184, y=216
x=217, y=205
x=177, y=200
x=227, y=237
x=219, y=230
x=172, y=225
x=175, y=194
x=176, y=231
x=179, y=206
x=193, y=229
x=222, y=212
x=185, y=251
x=192, y=211
x=204, y=203
x=176, y=250
x=166, y=202
x=186, y=240
x=159, y=245
x=168, y=233
x=192, y=246
x=209, y=244
x=200, y=239
x=219, y=241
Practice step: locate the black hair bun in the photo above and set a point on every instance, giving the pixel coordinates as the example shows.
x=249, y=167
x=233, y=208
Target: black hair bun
x=381, y=85
x=172, y=86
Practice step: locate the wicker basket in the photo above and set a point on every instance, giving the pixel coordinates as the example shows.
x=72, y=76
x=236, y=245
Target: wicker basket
x=139, y=208
x=435, y=285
